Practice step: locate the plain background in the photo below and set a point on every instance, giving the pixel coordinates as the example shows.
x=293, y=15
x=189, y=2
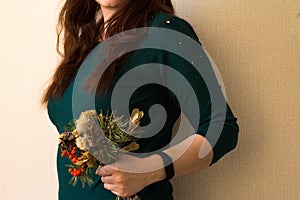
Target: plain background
x=255, y=44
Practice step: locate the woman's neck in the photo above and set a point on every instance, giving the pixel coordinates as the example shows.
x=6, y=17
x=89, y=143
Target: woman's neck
x=107, y=12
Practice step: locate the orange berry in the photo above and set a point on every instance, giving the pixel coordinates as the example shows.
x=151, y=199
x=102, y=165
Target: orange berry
x=78, y=173
x=70, y=170
x=74, y=161
x=71, y=156
x=64, y=153
x=73, y=151
x=72, y=173
x=82, y=169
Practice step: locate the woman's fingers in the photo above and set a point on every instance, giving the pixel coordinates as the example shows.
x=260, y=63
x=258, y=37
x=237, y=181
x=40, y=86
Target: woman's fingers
x=104, y=171
x=116, y=193
x=110, y=187
x=120, y=183
x=107, y=179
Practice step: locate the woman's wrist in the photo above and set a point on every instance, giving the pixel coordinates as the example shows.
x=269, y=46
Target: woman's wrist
x=158, y=173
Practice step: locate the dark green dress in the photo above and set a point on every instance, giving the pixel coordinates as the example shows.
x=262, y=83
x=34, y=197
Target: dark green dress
x=60, y=113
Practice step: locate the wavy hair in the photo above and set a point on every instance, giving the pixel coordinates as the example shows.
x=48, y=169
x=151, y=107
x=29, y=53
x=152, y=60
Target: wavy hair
x=81, y=26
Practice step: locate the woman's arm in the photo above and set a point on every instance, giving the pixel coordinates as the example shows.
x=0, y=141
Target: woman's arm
x=126, y=184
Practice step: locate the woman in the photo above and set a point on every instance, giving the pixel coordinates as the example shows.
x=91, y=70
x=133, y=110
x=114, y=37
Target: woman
x=85, y=24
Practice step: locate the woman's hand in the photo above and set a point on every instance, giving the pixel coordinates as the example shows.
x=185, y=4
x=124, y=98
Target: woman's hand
x=126, y=183
x=130, y=174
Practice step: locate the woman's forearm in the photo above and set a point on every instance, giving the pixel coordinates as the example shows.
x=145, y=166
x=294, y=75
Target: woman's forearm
x=185, y=156
x=197, y=155
x=123, y=180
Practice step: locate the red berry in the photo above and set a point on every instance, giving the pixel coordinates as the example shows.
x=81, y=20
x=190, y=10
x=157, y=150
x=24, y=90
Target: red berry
x=74, y=160
x=64, y=153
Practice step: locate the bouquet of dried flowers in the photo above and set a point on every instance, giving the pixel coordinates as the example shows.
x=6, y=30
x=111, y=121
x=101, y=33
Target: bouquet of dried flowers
x=97, y=139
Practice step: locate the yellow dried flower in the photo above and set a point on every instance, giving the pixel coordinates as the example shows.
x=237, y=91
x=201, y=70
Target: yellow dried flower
x=75, y=133
x=88, y=159
x=60, y=137
x=136, y=116
x=101, y=120
x=131, y=147
x=134, y=121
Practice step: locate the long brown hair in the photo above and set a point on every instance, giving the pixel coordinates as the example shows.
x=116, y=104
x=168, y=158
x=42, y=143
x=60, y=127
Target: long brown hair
x=80, y=26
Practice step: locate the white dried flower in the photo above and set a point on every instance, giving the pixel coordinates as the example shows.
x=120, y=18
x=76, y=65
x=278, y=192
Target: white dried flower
x=80, y=144
x=89, y=128
x=86, y=122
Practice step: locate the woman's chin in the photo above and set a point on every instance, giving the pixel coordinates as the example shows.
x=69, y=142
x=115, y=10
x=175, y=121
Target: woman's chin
x=109, y=3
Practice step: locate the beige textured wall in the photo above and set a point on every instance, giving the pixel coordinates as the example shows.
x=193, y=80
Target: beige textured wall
x=256, y=47
x=27, y=140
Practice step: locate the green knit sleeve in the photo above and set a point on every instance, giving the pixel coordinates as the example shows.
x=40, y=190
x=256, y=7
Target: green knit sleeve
x=216, y=122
